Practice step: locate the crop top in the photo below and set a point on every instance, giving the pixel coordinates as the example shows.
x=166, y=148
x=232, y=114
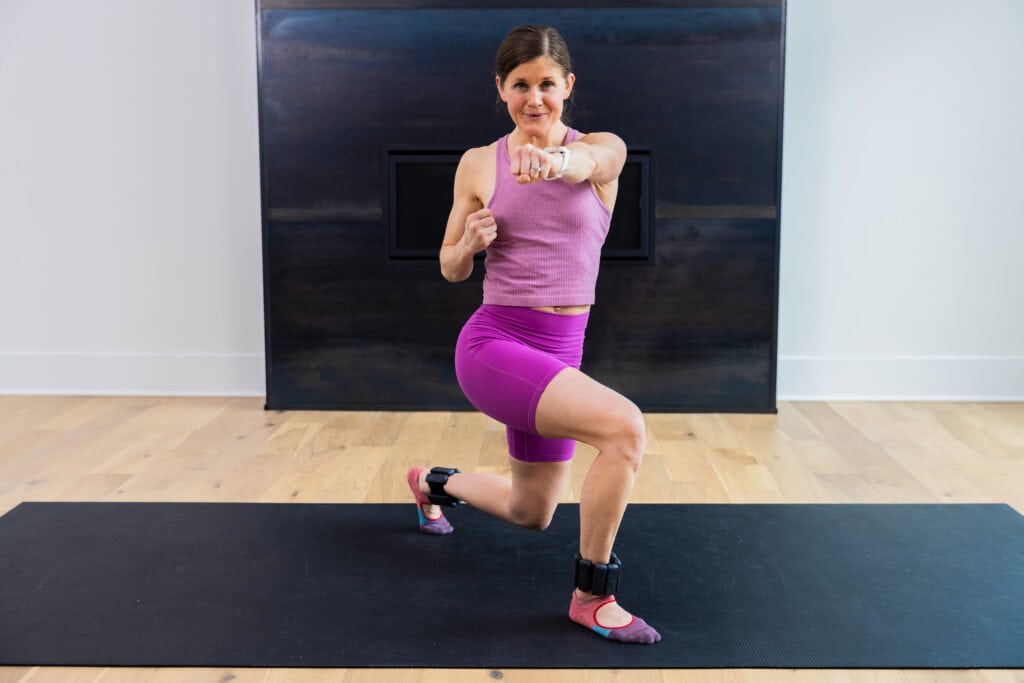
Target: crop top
x=548, y=246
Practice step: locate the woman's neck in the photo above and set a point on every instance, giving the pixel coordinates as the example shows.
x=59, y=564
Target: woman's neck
x=554, y=138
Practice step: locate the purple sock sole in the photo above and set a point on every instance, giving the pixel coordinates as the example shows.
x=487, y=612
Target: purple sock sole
x=434, y=527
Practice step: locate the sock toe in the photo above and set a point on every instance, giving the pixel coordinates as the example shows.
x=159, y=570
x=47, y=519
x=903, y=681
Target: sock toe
x=637, y=631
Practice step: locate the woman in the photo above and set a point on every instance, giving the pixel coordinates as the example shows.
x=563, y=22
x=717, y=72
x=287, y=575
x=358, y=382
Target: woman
x=539, y=201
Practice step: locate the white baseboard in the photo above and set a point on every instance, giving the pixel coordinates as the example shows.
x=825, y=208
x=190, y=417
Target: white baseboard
x=132, y=374
x=800, y=378
x=901, y=379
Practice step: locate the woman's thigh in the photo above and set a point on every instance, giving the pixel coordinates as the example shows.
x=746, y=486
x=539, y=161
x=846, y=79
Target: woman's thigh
x=576, y=406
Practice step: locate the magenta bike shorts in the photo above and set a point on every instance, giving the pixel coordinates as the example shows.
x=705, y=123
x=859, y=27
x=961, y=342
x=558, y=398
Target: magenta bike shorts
x=505, y=358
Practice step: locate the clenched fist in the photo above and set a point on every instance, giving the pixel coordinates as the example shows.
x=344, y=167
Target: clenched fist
x=481, y=229
x=531, y=163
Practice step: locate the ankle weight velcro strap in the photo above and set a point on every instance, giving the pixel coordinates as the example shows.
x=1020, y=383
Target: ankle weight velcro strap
x=437, y=478
x=598, y=579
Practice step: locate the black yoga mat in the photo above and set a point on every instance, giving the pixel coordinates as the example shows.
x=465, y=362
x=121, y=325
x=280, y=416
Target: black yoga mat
x=246, y=585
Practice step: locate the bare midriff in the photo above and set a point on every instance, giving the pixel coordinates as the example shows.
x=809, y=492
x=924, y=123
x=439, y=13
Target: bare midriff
x=563, y=310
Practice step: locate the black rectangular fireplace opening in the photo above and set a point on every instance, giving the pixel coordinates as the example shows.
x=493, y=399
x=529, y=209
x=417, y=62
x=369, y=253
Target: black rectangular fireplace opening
x=418, y=198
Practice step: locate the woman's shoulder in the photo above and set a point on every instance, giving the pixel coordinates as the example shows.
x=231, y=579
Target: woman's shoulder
x=476, y=171
x=600, y=138
x=475, y=157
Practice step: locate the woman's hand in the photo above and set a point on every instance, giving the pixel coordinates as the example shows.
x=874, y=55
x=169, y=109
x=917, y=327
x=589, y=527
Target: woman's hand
x=481, y=229
x=531, y=163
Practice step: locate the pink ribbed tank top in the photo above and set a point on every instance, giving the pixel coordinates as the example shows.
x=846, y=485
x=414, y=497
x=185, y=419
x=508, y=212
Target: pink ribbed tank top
x=550, y=234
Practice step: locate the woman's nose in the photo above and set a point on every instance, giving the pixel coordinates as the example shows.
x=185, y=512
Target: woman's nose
x=535, y=97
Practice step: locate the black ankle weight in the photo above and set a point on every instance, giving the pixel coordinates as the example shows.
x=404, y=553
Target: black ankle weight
x=437, y=478
x=598, y=579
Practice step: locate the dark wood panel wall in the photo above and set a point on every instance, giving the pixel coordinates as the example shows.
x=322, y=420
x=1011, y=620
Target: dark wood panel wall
x=696, y=87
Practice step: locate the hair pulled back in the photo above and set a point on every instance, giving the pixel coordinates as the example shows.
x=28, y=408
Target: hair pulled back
x=527, y=42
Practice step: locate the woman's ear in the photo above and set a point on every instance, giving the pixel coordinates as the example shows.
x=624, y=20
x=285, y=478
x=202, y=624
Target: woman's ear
x=570, y=80
x=501, y=91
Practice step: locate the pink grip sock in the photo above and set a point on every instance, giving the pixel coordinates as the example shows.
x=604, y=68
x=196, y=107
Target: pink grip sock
x=435, y=527
x=585, y=614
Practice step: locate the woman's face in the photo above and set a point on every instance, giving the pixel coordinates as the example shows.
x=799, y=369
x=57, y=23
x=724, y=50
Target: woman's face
x=535, y=93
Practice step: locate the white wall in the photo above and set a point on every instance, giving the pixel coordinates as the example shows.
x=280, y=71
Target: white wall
x=903, y=200
x=129, y=199
x=130, y=254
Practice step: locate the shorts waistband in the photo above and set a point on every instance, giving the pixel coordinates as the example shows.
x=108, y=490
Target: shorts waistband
x=542, y=322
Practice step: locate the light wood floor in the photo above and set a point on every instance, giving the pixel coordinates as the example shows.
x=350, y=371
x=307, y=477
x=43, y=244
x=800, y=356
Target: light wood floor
x=230, y=450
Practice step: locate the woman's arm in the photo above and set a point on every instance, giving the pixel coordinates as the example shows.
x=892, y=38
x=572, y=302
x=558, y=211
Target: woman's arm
x=471, y=228
x=597, y=157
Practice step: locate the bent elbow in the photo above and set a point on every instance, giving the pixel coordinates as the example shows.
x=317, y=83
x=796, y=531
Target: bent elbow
x=453, y=276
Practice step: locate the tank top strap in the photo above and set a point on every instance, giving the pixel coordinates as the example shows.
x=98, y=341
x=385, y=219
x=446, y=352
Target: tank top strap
x=503, y=151
x=502, y=177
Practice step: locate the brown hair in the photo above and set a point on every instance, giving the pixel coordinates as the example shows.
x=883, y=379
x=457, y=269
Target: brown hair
x=528, y=42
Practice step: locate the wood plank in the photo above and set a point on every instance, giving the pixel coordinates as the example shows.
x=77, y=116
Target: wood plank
x=888, y=477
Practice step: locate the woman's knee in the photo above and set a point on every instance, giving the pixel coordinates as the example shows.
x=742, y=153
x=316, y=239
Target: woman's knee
x=626, y=435
x=576, y=406
x=531, y=510
x=537, y=488
x=535, y=517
